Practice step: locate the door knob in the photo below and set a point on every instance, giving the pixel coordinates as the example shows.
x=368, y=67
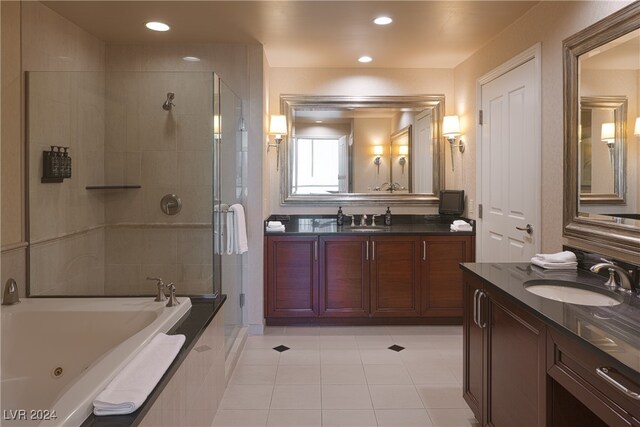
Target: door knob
x=528, y=229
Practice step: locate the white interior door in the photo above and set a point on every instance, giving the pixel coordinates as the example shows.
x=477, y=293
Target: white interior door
x=343, y=165
x=510, y=165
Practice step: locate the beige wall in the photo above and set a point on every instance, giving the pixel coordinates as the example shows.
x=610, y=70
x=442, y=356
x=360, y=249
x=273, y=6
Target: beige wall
x=549, y=23
x=65, y=109
x=12, y=240
x=368, y=133
x=350, y=81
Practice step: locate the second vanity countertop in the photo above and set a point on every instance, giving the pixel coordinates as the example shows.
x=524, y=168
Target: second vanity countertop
x=617, y=328
x=401, y=224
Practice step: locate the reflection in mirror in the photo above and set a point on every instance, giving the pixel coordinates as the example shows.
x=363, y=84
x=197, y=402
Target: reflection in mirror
x=609, y=104
x=400, y=178
x=342, y=149
x=601, y=185
x=603, y=143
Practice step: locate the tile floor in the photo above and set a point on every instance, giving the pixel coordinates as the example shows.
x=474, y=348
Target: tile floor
x=347, y=376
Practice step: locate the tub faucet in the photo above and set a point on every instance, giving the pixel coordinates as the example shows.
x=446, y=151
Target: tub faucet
x=10, y=295
x=173, y=301
x=160, y=284
x=625, y=277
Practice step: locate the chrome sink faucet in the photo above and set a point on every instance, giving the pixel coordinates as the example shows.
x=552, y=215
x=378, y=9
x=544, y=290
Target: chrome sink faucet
x=173, y=301
x=624, y=275
x=363, y=220
x=10, y=295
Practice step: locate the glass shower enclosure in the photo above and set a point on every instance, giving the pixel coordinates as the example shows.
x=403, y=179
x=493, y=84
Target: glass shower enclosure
x=129, y=174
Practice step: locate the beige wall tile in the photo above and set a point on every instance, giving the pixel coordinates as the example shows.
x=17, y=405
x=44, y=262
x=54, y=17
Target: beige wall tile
x=159, y=168
x=13, y=265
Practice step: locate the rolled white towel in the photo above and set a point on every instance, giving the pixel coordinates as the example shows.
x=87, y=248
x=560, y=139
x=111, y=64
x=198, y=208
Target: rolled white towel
x=554, y=265
x=131, y=386
x=564, y=256
x=274, y=224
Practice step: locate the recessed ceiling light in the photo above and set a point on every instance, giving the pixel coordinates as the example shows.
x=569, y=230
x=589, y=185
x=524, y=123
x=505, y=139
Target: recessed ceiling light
x=157, y=26
x=318, y=121
x=191, y=59
x=382, y=20
x=365, y=59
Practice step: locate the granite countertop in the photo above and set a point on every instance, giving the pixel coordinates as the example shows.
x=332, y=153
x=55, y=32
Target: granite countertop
x=617, y=327
x=401, y=224
x=192, y=325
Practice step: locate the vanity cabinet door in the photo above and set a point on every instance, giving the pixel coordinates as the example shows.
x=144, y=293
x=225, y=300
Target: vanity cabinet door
x=344, y=276
x=441, y=293
x=515, y=380
x=395, y=276
x=504, y=357
x=473, y=348
x=291, y=276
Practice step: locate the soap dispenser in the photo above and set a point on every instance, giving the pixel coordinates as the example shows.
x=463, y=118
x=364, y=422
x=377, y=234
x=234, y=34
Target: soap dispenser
x=387, y=217
x=340, y=220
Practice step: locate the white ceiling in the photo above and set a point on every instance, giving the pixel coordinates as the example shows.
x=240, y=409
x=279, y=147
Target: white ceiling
x=424, y=34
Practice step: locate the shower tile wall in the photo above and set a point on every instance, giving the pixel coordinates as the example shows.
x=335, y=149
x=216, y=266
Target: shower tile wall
x=165, y=152
x=66, y=220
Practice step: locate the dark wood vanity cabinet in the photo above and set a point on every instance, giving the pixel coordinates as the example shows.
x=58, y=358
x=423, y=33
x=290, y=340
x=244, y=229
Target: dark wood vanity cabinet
x=291, y=276
x=441, y=293
x=395, y=276
x=504, y=359
x=344, y=276
x=411, y=278
x=589, y=379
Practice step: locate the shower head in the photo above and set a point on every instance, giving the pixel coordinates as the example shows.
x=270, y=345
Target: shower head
x=168, y=104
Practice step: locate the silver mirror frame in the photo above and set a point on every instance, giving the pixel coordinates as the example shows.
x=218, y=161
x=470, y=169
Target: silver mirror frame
x=617, y=104
x=288, y=103
x=610, y=233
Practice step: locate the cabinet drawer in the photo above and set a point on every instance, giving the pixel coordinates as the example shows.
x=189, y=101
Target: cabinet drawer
x=594, y=380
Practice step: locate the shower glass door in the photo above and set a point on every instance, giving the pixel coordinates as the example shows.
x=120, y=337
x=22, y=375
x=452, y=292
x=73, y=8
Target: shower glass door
x=229, y=189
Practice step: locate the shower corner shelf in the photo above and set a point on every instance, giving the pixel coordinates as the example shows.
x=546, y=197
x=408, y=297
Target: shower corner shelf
x=112, y=187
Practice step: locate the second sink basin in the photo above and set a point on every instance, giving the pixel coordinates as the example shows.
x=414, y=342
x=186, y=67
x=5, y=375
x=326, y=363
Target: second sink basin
x=573, y=293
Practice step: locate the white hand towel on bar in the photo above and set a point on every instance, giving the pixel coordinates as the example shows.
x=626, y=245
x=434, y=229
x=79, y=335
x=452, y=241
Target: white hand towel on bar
x=564, y=256
x=131, y=387
x=240, y=244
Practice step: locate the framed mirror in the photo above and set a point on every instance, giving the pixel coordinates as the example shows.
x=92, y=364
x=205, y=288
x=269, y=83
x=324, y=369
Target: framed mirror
x=361, y=150
x=602, y=141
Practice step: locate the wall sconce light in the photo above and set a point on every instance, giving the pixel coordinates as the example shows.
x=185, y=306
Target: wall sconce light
x=608, y=134
x=636, y=129
x=378, y=150
x=403, y=151
x=451, y=132
x=216, y=127
x=277, y=128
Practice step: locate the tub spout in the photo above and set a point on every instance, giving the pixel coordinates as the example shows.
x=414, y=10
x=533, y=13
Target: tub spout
x=10, y=295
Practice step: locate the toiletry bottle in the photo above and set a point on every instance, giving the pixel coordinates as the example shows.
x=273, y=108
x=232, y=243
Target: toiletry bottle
x=387, y=217
x=67, y=163
x=55, y=152
x=340, y=219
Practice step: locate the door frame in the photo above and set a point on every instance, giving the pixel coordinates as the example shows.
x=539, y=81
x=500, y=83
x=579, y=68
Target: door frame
x=533, y=53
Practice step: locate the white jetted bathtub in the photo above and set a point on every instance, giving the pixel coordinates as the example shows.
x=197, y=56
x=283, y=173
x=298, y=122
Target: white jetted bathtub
x=59, y=353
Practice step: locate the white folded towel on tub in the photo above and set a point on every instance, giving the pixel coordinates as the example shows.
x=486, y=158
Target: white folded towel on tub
x=131, y=387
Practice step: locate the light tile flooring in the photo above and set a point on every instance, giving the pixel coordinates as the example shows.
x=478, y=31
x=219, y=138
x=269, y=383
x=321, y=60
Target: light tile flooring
x=347, y=376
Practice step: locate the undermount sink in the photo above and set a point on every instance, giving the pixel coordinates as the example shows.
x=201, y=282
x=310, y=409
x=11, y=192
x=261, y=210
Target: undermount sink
x=367, y=228
x=571, y=292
